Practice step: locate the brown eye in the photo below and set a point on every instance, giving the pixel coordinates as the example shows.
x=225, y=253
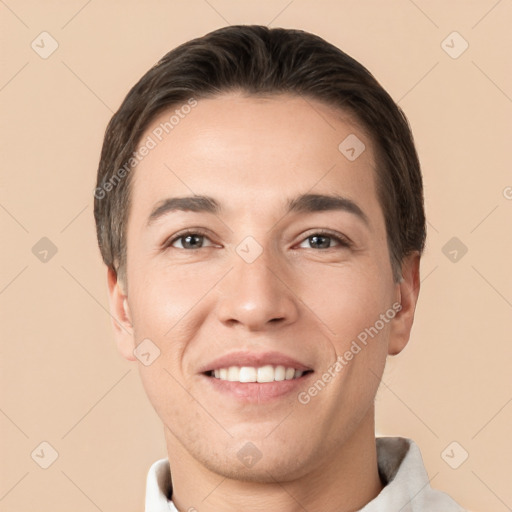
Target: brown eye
x=323, y=240
x=189, y=240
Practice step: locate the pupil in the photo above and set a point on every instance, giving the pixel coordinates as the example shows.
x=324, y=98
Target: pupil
x=315, y=239
x=188, y=237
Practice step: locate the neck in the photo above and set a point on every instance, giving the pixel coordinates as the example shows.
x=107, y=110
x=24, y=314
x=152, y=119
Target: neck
x=344, y=482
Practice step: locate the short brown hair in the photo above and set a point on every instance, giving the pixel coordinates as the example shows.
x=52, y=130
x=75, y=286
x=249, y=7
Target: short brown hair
x=258, y=60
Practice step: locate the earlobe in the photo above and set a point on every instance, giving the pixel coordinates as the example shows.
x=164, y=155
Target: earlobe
x=121, y=316
x=408, y=291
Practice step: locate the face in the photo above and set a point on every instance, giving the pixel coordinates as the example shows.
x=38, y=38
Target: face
x=296, y=290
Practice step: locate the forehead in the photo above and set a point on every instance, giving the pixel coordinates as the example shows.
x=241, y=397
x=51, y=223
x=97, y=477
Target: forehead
x=247, y=149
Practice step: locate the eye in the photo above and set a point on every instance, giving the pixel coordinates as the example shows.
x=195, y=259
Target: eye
x=323, y=239
x=195, y=239
x=192, y=239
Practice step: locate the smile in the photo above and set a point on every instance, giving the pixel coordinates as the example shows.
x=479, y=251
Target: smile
x=267, y=373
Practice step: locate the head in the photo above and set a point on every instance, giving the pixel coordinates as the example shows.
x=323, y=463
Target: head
x=246, y=120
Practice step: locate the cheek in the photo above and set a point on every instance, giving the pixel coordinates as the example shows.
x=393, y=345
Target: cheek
x=169, y=306
x=348, y=301
x=162, y=300
x=162, y=310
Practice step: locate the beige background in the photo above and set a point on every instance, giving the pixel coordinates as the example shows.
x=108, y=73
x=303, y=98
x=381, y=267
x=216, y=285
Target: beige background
x=62, y=380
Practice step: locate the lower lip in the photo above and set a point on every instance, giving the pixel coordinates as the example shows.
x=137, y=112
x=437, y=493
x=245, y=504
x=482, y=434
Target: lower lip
x=256, y=392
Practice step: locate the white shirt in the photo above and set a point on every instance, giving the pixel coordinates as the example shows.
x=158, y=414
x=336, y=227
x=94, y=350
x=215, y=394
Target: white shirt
x=400, y=466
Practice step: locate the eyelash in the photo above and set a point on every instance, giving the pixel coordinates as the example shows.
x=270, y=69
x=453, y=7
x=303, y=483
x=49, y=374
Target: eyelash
x=340, y=239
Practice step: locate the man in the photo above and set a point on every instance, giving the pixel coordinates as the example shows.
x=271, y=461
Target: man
x=259, y=207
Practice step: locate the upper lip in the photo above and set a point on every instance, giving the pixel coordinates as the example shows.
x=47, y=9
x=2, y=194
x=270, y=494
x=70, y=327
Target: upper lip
x=254, y=359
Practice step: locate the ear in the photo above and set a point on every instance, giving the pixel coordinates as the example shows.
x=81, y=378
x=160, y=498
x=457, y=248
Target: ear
x=121, y=318
x=408, y=290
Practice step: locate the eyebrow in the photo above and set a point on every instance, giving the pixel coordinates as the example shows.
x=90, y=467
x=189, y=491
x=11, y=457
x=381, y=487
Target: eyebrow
x=304, y=203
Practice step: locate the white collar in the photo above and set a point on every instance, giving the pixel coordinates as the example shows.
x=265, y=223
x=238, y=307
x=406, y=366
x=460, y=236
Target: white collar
x=400, y=465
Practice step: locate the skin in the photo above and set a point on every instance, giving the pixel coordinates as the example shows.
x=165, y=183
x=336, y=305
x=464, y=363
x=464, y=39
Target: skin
x=308, y=302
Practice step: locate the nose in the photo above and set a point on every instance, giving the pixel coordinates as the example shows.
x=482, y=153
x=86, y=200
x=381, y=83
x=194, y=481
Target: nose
x=257, y=295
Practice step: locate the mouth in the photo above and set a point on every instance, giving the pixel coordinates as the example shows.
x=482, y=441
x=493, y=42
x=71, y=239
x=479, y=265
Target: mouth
x=249, y=377
x=260, y=374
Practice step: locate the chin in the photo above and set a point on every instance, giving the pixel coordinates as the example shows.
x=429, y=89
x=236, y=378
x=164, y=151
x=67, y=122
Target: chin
x=249, y=464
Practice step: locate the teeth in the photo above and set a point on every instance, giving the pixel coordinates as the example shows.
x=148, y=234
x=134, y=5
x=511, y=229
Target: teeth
x=233, y=373
x=279, y=373
x=248, y=374
x=266, y=373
